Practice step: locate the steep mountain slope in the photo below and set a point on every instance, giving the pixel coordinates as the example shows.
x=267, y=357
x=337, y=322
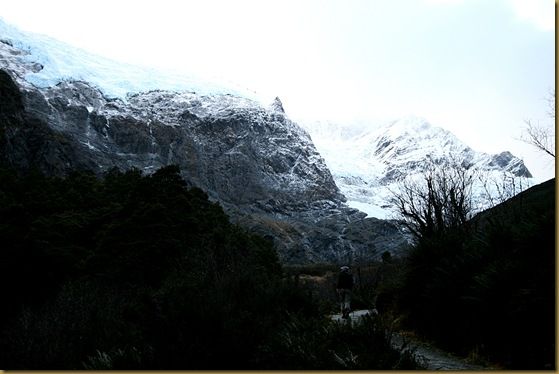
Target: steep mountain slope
x=368, y=161
x=261, y=166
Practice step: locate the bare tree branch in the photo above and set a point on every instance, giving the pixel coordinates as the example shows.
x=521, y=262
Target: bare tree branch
x=551, y=104
x=540, y=136
x=437, y=200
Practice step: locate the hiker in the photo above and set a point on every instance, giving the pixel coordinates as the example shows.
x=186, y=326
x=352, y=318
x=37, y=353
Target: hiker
x=344, y=286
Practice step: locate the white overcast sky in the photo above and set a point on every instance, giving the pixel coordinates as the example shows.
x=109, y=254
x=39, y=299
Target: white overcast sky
x=478, y=68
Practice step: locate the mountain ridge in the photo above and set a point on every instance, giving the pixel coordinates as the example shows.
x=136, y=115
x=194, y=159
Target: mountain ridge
x=369, y=162
x=258, y=164
x=261, y=166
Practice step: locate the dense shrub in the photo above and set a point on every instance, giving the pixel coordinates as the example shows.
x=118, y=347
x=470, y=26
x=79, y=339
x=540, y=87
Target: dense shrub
x=139, y=272
x=490, y=289
x=132, y=271
x=303, y=344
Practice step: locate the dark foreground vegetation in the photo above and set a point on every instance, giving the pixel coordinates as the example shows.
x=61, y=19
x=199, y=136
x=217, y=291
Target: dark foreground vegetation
x=486, y=289
x=142, y=272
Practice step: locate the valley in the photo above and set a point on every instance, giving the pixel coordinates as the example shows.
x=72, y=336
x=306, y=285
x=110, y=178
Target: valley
x=161, y=221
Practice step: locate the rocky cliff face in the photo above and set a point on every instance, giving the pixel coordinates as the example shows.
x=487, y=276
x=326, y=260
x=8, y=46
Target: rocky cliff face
x=262, y=167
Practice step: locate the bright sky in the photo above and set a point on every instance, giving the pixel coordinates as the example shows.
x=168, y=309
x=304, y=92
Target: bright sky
x=478, y=68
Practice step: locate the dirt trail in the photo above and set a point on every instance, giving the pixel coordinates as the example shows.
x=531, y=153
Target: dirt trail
x=432, y=357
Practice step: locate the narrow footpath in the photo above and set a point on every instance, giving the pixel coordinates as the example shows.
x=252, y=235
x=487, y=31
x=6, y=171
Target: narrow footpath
x=431, y=357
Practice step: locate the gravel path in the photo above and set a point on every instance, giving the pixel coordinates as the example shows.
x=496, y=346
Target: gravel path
x=432, y=357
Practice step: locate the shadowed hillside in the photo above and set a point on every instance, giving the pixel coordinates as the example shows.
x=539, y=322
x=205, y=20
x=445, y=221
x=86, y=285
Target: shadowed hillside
x=488, y=289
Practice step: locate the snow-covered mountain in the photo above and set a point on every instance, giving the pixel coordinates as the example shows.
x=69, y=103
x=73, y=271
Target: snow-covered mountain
x=368, y=161
x=63, y=109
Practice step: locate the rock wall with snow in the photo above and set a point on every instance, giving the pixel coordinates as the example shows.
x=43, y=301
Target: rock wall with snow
x=62, y=109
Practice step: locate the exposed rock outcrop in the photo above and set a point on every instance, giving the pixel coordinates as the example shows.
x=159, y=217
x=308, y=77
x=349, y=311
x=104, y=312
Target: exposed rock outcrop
x=261, y=166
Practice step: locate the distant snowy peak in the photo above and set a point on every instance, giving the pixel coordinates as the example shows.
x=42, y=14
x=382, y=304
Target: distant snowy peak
x=506, y=161
x=411, y=124
x=405, y=142
x=368, y=161
x=45, y=62
x=412, y=129
x=416, y=137
x=408, y=138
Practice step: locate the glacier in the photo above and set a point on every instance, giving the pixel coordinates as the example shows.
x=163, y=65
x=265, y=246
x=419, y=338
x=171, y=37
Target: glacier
x=55, y=62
